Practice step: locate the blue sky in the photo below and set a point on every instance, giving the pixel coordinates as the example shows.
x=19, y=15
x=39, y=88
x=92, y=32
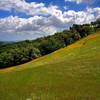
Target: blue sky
x=30, y=19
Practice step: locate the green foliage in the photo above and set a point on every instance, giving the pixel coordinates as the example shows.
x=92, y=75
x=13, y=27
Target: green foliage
x=18, y=56
x=50, y=45
x=20, y=52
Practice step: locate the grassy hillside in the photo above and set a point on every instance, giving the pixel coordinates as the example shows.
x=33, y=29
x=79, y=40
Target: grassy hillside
x=71, y=73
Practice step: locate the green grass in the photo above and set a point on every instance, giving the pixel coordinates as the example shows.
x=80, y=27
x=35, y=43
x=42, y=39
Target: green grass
x=71, y=73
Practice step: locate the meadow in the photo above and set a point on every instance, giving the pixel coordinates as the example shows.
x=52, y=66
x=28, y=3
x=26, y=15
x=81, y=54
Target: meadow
x=70, y=73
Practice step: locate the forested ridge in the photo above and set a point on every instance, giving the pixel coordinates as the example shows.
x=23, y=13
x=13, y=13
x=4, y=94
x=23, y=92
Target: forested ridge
x=16, y=53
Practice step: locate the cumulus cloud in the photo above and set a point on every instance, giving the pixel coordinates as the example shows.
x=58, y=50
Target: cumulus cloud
x=42, y=25
x=36, y=24
x=32, y=8
x=44, y=20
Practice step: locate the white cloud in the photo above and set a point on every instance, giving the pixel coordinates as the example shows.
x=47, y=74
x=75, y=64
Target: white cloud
x=79, y=1
x=44, y=20
x=21, y=6
x=32, y=8
x=47, y=25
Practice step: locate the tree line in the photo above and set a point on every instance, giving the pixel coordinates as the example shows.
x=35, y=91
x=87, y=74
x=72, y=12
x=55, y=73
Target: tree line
x=16, y=53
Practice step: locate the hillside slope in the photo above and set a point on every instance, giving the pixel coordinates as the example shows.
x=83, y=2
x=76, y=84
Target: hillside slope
x=71, y=73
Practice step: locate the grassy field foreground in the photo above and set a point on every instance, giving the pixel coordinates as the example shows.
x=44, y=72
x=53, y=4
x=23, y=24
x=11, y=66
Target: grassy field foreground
x=71, y=73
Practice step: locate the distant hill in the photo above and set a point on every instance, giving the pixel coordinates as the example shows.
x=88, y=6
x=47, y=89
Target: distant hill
x=6, y=42
x=71, y=73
